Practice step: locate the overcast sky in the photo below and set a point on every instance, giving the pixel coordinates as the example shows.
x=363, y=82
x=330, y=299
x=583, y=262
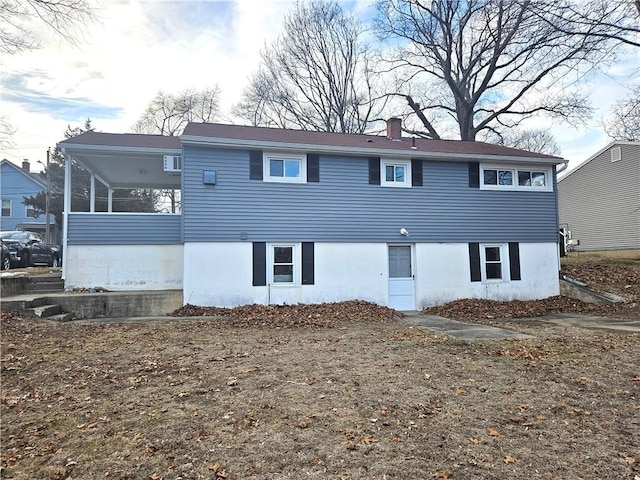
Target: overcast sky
x=136, y=48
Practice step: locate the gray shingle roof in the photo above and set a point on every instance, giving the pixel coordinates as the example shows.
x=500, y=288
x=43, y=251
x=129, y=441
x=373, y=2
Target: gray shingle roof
x=239, y=132
x=137, y=140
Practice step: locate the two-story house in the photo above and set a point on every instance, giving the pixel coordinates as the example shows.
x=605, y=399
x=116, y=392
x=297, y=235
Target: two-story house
x=16, y=183
x=290, y=216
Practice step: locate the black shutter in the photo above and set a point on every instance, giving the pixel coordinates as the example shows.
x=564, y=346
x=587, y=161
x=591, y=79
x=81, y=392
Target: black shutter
x=416, y=172
x=474, y=261
x=259, y=264
x=514, y=260
x=474, y=174
x=374, y=170
x=307, y=263
x=313, y=167
x=255, y=165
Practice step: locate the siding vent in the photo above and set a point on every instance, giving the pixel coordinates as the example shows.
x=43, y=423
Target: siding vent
x=616, y=154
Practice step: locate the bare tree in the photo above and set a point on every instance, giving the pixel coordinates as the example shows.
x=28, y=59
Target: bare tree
x=487, y=65
x=617, y=20
x=624, y=122
x=539, y=140
x=18, y=28
x=7, y=130
x=315, y=76
x=168, y=114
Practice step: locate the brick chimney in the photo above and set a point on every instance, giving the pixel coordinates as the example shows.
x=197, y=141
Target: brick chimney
x=394, y=128
x=26, y=166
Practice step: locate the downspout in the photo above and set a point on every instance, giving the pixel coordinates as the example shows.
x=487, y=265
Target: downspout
x=65, y=211
x=563, y=167
x=92, y=201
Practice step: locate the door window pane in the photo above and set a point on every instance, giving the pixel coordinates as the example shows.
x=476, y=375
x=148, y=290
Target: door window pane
x=400, y=262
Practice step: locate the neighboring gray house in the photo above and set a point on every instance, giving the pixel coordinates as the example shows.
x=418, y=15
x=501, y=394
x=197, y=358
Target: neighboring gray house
x=290, y=216
x=599, y=201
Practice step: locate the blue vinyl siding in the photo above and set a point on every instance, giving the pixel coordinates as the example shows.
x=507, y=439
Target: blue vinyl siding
x=344, y=207
x=14, y=186
x=124, y=229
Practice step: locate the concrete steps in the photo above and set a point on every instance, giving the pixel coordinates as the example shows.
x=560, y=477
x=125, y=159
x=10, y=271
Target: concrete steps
x=45, y=283
x=43, y=308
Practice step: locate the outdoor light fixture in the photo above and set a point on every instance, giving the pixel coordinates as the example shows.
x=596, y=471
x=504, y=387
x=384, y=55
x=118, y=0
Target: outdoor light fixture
x=404, y=232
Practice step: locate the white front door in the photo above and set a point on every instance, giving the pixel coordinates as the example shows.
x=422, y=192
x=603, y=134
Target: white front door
x=401, y=284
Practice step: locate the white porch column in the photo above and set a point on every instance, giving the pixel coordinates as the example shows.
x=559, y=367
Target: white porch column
x=92, y=195
x=109, y=199
x=66, y=210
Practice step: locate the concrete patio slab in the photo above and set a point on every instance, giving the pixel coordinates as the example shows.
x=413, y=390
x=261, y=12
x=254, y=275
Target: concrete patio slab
x=460, y=330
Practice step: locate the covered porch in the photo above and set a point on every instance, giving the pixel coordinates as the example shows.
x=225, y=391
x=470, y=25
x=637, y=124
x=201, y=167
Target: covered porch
x=126, y=232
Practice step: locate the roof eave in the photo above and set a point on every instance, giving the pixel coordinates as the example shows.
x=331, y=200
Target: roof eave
x=597, y=154
x=360, y=151
x=84, y=148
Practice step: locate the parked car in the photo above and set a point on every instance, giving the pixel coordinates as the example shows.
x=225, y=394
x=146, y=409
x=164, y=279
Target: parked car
x=6, y=257
x=29, y=248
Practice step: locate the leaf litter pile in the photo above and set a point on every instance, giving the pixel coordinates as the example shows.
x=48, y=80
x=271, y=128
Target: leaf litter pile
x=622, y=280
x=324, y=315
x=348, y=391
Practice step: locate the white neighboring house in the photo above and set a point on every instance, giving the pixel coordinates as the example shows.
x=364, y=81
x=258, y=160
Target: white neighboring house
x=599, y=201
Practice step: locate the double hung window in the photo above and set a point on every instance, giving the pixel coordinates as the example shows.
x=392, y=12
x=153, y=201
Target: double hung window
x=6, y=207
x=492, y=258
x=283, y=263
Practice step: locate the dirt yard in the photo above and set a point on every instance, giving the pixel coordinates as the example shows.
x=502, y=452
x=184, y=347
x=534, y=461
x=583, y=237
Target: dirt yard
x=277, y=395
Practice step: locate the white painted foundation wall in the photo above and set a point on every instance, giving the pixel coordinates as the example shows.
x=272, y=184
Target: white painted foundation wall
x=220, y=274
x=124, y=267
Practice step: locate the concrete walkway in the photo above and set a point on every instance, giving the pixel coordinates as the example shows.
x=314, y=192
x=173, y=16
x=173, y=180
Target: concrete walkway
x=586, y=321
x=463, y=331
x=474, y=332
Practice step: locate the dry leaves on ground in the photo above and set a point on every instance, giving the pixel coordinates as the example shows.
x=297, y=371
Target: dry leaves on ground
x=300, y=315
x=473, y=309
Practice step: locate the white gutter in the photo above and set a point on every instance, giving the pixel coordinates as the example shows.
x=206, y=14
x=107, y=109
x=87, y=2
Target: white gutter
x=361, y=151
x=563, y=167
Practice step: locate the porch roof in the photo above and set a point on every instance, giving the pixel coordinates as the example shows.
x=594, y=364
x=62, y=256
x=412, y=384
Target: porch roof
x=125, y=160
